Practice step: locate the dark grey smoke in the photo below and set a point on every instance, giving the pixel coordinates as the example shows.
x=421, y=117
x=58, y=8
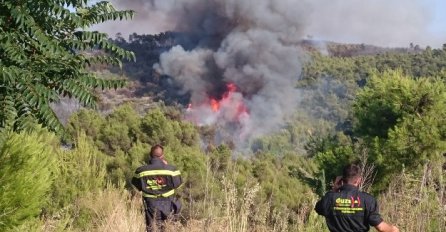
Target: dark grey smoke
x=253, y=46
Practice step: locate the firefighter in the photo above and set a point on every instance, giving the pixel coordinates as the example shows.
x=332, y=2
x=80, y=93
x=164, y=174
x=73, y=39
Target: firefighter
x=158, y=181
x=346, y=209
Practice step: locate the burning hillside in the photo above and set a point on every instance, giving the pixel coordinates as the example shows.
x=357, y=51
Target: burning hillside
x=256, y=45
x=230, y=108
x=241, y=70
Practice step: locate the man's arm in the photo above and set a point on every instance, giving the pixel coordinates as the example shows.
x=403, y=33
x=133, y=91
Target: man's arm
x=337, y=184
x=321, y=207
x=136, y=181
x=177, y=181
x=375, y=219
x=323, y=204
x=385, y=227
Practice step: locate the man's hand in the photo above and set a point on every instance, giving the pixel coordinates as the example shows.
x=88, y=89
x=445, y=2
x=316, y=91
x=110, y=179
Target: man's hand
x=337, y=184
x=385, y=227
x=163, y=159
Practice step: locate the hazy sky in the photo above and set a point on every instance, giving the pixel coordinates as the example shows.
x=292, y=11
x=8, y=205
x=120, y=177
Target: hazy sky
x=438, y=25
x=379, y=22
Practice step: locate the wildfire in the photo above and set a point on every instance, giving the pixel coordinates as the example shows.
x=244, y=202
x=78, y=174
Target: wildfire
x=215, y=105
x=231, y=87
x=230, y=107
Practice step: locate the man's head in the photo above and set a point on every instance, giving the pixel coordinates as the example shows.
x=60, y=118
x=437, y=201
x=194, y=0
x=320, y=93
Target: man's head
x=157, y=151
x=352, y=175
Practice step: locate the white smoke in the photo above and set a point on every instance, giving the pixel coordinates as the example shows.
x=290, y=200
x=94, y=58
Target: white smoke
x=189, y=69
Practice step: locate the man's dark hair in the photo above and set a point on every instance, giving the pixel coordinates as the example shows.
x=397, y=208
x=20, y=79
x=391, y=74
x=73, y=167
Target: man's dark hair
x=154, y=147
x=350, y=173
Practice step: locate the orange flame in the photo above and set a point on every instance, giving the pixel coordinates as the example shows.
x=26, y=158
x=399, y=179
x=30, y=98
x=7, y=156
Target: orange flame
x=234, y=107
x=231, y=87
x=215, y=105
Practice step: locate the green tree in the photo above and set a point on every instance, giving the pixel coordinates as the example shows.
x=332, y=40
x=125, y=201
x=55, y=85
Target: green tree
x=28, y=164
x=45, y=54
x=332, y=159
x=403, y=119
x=87, y=120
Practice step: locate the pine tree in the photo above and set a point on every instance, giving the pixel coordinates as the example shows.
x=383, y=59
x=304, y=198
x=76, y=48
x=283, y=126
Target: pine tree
x=403, y=119
x=27, y=171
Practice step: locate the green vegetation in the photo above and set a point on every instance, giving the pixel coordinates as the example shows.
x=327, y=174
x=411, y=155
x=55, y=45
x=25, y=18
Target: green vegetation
x=398, y=120
x=386, y=111
x=403, y=120
x=26, y=173
x=279, y=185
x=126, y=138
x=43, y=56
x=427, y=63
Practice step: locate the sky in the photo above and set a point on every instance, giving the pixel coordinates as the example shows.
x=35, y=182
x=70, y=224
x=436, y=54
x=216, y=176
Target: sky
x=379, y=22
x=438, y=25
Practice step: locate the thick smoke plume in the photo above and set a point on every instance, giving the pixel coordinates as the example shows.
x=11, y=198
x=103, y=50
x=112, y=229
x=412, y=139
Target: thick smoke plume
x=243, y=67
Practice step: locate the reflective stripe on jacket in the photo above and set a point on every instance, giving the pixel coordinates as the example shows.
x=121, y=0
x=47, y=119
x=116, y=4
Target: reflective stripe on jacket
x=157, y=179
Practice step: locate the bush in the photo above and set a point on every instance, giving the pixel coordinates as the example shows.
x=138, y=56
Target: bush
x=26, y=175
x=81, y=170
x=403, y=120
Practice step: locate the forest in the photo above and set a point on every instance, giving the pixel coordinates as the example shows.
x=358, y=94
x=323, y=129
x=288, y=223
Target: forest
x=383, y=108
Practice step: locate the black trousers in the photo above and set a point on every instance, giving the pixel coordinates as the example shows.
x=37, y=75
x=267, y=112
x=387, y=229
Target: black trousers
x=157, y=212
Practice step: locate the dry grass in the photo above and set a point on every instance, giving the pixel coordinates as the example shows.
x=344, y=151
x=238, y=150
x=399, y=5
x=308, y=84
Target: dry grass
x=415, y=204
x=410, y=203
x=115, y=211
x=367, y=170
x=111, y=210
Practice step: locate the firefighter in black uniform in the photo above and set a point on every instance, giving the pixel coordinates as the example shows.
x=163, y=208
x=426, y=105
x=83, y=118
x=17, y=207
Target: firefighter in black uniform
x=346, y=209
x=157, y=180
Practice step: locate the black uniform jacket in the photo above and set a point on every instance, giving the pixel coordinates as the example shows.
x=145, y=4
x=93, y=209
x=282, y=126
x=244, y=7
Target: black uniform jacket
x=349, y=210
x=157, y=180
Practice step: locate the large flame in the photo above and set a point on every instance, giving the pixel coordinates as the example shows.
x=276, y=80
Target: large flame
x=229, y=108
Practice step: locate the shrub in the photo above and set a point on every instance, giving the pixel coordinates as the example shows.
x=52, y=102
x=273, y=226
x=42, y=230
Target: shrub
x=403, y=120
x=26, y=175
x=81, y=170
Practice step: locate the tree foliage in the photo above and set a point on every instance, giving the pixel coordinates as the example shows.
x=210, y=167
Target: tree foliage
x=80, y=171
x=399, y=122
x=357, y=69
x=28, y=165
x=45, y=54
x=403, y=119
